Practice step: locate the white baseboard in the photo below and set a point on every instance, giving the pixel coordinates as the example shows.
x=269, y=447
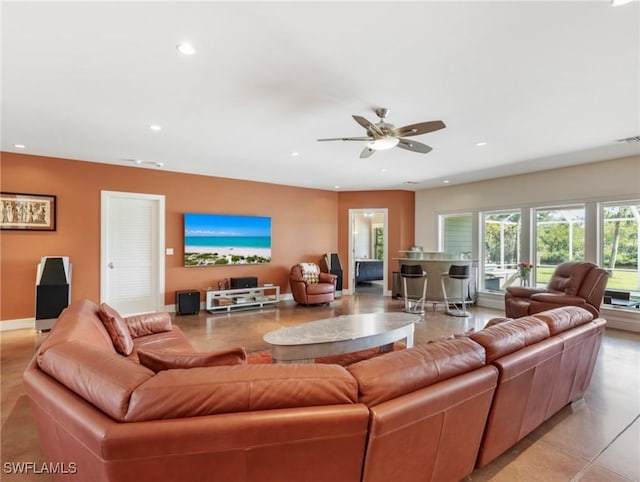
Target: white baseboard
x=21, y=324
x=490, y=300
x=621, y=319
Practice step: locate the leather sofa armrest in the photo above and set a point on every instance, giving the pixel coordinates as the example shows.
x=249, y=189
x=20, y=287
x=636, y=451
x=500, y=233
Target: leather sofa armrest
x=558, y=298
x=327, y=278
x=148, y=324
x=524, y=292
x=298, y=280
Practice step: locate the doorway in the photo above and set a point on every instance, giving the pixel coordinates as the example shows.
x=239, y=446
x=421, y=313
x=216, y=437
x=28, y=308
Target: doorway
x=132, y=252
x=368, y=251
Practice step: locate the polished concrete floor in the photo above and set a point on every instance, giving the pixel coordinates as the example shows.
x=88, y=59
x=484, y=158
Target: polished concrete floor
x=596, y=438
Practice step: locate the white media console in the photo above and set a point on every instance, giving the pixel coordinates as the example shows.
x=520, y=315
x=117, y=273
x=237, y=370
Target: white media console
x=242, y=298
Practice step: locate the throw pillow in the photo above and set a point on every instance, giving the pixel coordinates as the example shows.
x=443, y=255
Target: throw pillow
x=117, y=329
x=158, y=360
x=310, y=272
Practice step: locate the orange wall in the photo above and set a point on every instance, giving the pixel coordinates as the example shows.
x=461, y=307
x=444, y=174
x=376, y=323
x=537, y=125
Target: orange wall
x=305, y=224
x=401, y=219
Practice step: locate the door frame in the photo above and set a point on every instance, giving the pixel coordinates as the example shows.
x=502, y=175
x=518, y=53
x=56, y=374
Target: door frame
x=385, y=260
x=159, y=199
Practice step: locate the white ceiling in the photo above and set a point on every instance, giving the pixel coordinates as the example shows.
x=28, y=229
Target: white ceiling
x=544, y=84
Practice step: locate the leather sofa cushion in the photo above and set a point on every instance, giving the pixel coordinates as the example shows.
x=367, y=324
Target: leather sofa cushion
x=505, y=338
x=158, y=360
x=104, y=379
x=117, y=329
x=148, y=324
x=79, y=321
x=565, y=318
x=496, y=321
x=224, y=389
x=173, y=340
x=391, y=375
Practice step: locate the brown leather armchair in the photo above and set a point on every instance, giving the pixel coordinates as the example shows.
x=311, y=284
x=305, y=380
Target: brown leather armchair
x=310, y=286
x=573, y=283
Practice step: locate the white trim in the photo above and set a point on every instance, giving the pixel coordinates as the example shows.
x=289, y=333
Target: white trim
x=491, y=300
x=621, y=319
x=19, y=324
x=352, y=261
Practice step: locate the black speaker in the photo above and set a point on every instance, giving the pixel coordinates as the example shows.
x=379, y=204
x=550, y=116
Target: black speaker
x=187, y=302
x=330, y=263
x=53, y=290
x=249, y=282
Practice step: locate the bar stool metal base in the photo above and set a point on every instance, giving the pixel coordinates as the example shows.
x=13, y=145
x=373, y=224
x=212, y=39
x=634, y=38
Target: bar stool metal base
x=414, y=305
x=457, y=311
x=460, y=273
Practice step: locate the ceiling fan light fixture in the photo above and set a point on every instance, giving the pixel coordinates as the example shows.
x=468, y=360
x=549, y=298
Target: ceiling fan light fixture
x=384, y=143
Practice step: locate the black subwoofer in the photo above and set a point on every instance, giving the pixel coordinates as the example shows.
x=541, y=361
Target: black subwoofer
x=187, y=302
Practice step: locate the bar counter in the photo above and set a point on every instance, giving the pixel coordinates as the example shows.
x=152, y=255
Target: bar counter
x=434, y=267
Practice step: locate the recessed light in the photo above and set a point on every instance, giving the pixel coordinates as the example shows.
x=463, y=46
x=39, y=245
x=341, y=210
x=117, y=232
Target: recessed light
x=294, y=154
x=137, y=161
x=384, y=169
x=155, y=127
x=336, y=187
x=617, y=3
x=19, y=146
x=446, y=181
x=481, y=144
x=186, y=48
x=159, y=164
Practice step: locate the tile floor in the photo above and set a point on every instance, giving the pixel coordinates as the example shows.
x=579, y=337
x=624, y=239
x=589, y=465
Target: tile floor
x=596, y=438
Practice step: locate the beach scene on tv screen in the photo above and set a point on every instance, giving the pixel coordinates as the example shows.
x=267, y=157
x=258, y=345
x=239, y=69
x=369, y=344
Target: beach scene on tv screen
x=223, y=239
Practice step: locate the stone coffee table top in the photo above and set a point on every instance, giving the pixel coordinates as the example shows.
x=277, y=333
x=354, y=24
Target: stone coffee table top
x=342, y=334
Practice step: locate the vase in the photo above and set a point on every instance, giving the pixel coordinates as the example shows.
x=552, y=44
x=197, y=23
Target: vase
x=524, y=282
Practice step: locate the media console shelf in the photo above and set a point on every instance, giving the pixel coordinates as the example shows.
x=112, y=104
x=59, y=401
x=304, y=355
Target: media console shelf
x=242, y=299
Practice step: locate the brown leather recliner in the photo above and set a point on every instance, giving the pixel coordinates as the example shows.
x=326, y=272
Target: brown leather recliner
x=309, y=286
x=573, y=283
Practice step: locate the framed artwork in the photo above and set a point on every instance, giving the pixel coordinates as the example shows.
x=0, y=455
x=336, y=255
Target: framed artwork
x=31, y=212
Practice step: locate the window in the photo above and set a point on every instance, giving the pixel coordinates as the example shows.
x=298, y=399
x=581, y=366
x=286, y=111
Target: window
x=559, y=238
x=456, y=234
x=619, y=246
x=501, y=242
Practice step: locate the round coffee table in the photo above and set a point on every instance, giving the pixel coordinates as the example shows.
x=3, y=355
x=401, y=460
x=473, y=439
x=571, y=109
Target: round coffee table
x=339, y=335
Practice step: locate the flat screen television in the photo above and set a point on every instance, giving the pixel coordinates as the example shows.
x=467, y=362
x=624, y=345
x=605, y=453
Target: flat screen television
x=226, y=239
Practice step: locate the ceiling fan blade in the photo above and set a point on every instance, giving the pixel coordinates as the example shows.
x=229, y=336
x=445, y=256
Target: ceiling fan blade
x=366, y=152
x=417, y=129
x=414, y=146
x=347, y=139
x=370, y=126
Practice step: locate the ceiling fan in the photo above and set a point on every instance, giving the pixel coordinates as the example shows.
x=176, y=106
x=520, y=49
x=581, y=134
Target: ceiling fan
x=382, y=136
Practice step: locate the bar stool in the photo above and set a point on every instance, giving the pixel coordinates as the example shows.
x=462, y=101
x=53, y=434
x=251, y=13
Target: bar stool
x=461, y=273
x=413, y=271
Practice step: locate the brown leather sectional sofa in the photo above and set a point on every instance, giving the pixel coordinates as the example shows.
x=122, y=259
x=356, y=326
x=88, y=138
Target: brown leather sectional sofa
x=432, y=412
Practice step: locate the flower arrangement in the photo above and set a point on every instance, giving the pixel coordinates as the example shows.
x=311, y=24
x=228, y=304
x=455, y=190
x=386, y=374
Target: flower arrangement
x=524, y=269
